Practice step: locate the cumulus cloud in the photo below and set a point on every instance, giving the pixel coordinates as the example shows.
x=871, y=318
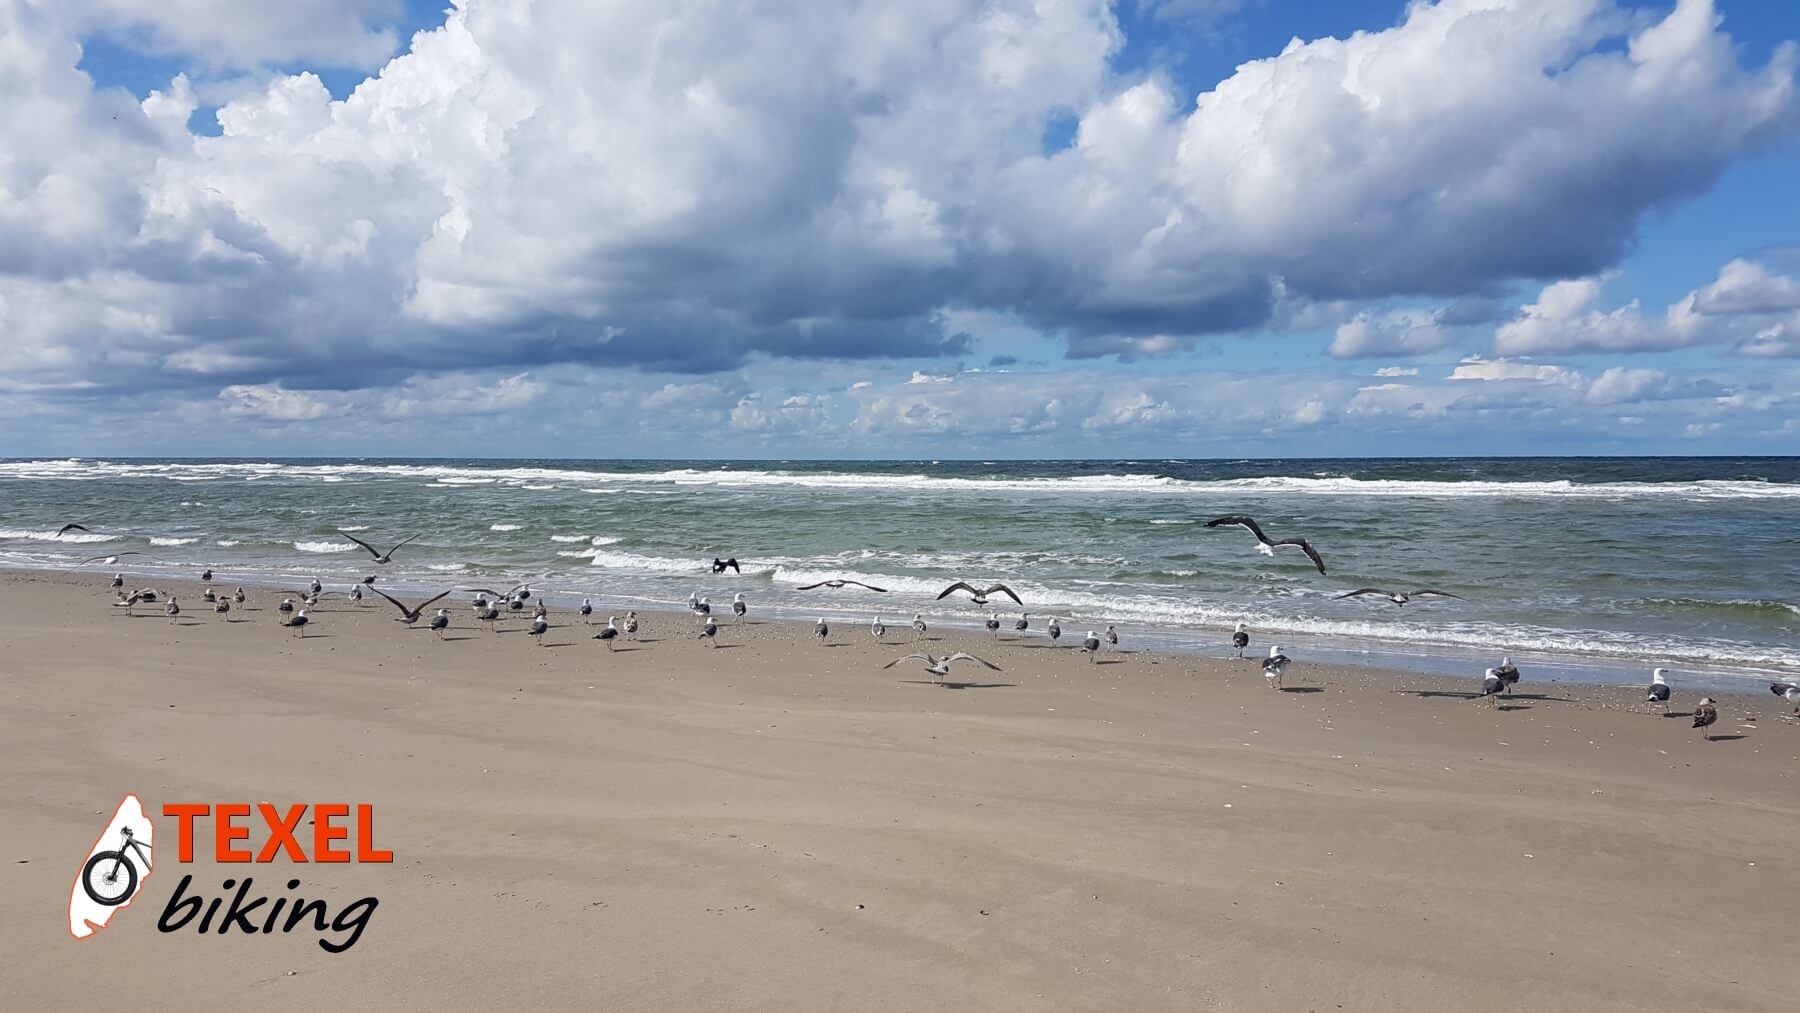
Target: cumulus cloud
x=1619, y=385
x=1493, y=370
x=656, y=186
x=1395, y=333
x=1565, y=320
x=1746, y=287
x=1397, y=371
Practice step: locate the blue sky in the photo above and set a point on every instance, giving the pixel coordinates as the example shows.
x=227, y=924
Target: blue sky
x=984, y=228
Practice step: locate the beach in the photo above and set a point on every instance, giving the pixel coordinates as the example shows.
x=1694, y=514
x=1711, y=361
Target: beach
x=778, y=824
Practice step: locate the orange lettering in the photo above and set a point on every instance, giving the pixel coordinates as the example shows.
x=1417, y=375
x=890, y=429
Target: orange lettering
x=281, y=832
x=224, y=833
x=184, y=814
x=365, y=836
x=324, y=833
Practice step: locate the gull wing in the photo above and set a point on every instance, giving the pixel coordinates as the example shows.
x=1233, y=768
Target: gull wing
x=1003, y=589
x=963, y=656
x=960, y=585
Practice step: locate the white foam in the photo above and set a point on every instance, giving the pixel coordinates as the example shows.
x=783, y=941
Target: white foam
x=354, y=527
x=447, y=567
x=568, y=538
x=324, y=546
x=605, y=540
x=227, y=543
x=643, y=564
x=73, y=537
x=173, y=541
x=503, y=527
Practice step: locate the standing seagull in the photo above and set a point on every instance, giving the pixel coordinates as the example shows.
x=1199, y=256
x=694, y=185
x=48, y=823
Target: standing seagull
x=940, y=667
x=738, y=608
x=488, y=613
x=222, y=605
x=1112, y=638
x=297, y=622
x=172, y=610
x=381, y=558
x=356, y=594
x=118, y=580
x=877, y=629
x=1491, y=687
x=1275, y=666
x=703, y=607
x=1659, y=689
x=408, y=614
x=206, y=576
x=540, y=624
x=711, y=632
x=1240, y=639
x=440, y=622
x=993, y=625
x=1508, y=674
x=919, y=627
x=587, y=608
x=1787, y=691
x=1091, y=645
x=1400, y=597
x=1054, y=630
x=1022, y=625
x=287, y=605
x=978, y=595
x=611, y=633
x=631, y=624
x=1705, y=715
x=821, y=631
x=1264, y=544
x=316, y=587
x=237, y=597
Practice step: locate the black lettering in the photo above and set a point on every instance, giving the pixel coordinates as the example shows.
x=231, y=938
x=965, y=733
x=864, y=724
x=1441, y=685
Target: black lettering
x=366, y=907
x=176, y=903
x=299, y=912
x=239, y=911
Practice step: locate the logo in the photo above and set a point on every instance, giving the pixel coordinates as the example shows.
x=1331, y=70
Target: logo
x=115, y=870
x=120, y=861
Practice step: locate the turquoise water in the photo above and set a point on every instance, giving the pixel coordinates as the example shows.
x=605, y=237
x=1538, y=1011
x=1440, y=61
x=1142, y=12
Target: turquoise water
x=1598, y=567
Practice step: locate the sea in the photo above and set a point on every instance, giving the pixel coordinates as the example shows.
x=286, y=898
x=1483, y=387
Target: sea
x=1585, y=569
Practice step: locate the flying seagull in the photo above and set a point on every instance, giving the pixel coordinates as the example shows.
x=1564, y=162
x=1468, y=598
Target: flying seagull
x=1399, y=597
x=1264, y=544
x=1659, y=688
x=1706, y=713
x=979, y=596
x=108, y=559
x=940, y=667
x=380, y=557
x=1787, y=691
x=835, y=584
x=66, y=528
x=408, y=614
x=720, y=565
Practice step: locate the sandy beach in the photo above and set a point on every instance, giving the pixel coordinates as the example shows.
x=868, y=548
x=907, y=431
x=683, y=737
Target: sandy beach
x=775, y=824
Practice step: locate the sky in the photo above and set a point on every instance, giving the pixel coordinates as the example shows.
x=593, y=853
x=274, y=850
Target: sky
x=861, y=229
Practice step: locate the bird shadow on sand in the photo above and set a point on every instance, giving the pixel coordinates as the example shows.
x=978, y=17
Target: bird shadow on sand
x=451, y=640
x=726, y=647
x=1303, y=689
x=946, y=684
x=1452, y=694
x=1512, y=707
x=624, y=650
x=1109, y=661
x=1727, y=738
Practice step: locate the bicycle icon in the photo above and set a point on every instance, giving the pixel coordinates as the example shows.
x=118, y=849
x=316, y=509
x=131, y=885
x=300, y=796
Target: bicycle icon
x=109, y=877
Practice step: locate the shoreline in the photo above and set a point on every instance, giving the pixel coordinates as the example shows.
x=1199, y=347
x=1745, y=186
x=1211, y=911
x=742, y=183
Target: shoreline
x=1422, y=660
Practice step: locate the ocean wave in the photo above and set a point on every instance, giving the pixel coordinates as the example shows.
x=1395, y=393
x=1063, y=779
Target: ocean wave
x=504, y=527
x=447, y=567
x=227, y=543
x=1752, y=607
x=173, y=541
x=73, y=537
x=642, y=564
x=354, y=527
x=568, y=538
x=324, y=546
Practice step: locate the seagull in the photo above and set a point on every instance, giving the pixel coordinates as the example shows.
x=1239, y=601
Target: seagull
x=1022, y=625
x=979, y=596
x=1659, y=688
x=703, y=607
x=206, y=576
x=631, y=624
x=993, y=625
x=940, y=667
x=821, y=631
x=540, y=624
x=711, y=632
x=694, y=602
x=209, y=595
x=316, y=586
x=489, y=613
x=109, y=559
x=541, y=611
x=356, y=594
x=1492, y=686
x=118, y=580
x=440, y=622
x=408, y=614
x=514, y=604
x=237, y=597
x=1508, y=674
x=381, y=558
x=877, y=629
x=720, y=565
x=287, y=605
x=147, y=595
x=521, y=591
x=1705, y=715
x=1091, y=645
x=586, y=609
x=1264, y=545
x=1275, y=666
x=1240, y=639
x=1399, y=597
x=222, y=605
x=1112, y=638
x=611, y=633
x=738, y=608
x=172, y=610
x=66, y=528
x=1054, y=630
x=297, y=622
x=370, y=579
x=1787, y=691
x=919, y=626
x=835, y=584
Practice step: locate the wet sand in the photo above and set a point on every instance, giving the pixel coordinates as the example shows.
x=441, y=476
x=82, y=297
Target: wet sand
x=775, y=824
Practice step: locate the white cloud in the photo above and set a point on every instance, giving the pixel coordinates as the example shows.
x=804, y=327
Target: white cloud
x=336, y=33
x=1397, y=371
x=1564, y=320
x=1746, y=287
x=1399, y=332
x=1502, y=370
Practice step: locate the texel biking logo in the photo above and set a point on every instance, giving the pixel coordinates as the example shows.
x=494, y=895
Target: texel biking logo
x=116, y=868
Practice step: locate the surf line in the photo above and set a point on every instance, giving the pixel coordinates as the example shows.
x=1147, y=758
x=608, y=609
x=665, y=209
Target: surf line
x=284, y=841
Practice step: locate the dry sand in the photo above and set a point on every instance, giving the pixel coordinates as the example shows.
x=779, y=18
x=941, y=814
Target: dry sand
x=777, y=825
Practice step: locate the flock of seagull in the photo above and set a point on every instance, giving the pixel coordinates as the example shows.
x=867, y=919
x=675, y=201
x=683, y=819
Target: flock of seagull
x=489, y=605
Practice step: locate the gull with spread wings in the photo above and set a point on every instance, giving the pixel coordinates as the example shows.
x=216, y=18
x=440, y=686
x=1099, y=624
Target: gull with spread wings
x=1399, y=597
x=1265, y=544
x=410, y=614
x=940, y=667
x=979, y=596
x=380, y=557
x=835, y=584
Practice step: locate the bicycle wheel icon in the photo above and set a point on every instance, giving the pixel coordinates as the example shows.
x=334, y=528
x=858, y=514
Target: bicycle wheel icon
x=109, y=878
